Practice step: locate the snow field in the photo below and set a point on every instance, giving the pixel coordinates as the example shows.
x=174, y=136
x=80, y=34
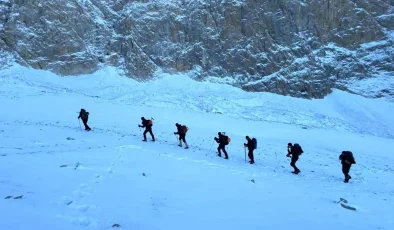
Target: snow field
x=108, y=176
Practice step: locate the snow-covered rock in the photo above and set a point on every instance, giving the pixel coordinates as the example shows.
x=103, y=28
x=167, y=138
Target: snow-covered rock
x=299, y=48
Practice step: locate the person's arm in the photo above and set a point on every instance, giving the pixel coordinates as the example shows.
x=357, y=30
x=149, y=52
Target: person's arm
x=289, y=151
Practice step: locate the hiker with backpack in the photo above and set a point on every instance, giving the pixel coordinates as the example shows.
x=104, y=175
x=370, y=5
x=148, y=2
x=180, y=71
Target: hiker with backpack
x=182, y=130
x=147, y=124
x=252, y=145
x=84, y=115
x=223, y=140
x=295, y=151
x=347, y=159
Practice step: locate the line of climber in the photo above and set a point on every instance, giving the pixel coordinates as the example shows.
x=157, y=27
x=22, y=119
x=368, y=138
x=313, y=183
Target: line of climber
x=293, y=150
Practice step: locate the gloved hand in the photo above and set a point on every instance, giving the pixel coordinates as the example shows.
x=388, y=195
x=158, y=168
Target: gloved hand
x=288, y=155
x=245, y=145
x=175, y=133
x=139, y=126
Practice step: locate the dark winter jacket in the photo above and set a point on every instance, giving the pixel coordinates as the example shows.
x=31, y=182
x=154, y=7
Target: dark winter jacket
x=347, y=157
x=180, y=131
x=83, y=114
x=250, y=145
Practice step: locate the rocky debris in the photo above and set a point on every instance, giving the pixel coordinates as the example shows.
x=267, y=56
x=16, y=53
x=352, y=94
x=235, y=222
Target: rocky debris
x=344, y=204
x=15, y=198
x=289, y=47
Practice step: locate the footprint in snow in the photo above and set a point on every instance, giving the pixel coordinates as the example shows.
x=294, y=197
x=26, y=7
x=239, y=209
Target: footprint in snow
x=97, y=179
x=66, y=200
x=82, y=221
x=81, y=208
x=80, y=193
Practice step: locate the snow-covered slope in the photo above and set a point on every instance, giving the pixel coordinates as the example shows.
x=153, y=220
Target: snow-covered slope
x=70, y=179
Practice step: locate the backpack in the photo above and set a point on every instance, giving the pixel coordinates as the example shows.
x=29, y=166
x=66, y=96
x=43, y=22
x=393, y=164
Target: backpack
x=185, y=129
x=228, y=139
x=348, y=156
x=150, y=122
x=254, y=141
x=299, y=149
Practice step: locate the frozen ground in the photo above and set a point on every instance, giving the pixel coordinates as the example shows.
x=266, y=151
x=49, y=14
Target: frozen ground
x=70, y=179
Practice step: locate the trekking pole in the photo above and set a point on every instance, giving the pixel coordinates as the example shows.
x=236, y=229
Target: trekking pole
x=210, y=149
x=80, y=127
x=245, y=153
x=176, y=138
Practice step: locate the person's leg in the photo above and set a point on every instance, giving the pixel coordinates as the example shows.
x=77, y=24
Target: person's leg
x=145, y=132
x=293, y=164
x=184, y=140
x=251, y=156
x=225, y=152
x=151, y=134
x=85, y=123
x=345, y=170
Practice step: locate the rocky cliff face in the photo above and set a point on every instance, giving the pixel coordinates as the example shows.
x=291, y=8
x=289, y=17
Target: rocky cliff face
x=301, y=48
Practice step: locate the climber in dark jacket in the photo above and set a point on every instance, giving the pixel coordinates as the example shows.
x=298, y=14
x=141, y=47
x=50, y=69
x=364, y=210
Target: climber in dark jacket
x=347, y=159
x=84, y=117
x=148, y=128
x=222, y=145
x=182, y=134
x=250, y=146
x=295, y=151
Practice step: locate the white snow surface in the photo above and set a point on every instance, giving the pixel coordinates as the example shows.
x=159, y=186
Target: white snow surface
x=72, y=179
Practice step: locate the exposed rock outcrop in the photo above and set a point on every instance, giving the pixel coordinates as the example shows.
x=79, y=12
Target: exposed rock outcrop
x=300, y=48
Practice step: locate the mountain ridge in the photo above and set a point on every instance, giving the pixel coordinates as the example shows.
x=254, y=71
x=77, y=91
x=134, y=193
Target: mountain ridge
x=297, y=48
